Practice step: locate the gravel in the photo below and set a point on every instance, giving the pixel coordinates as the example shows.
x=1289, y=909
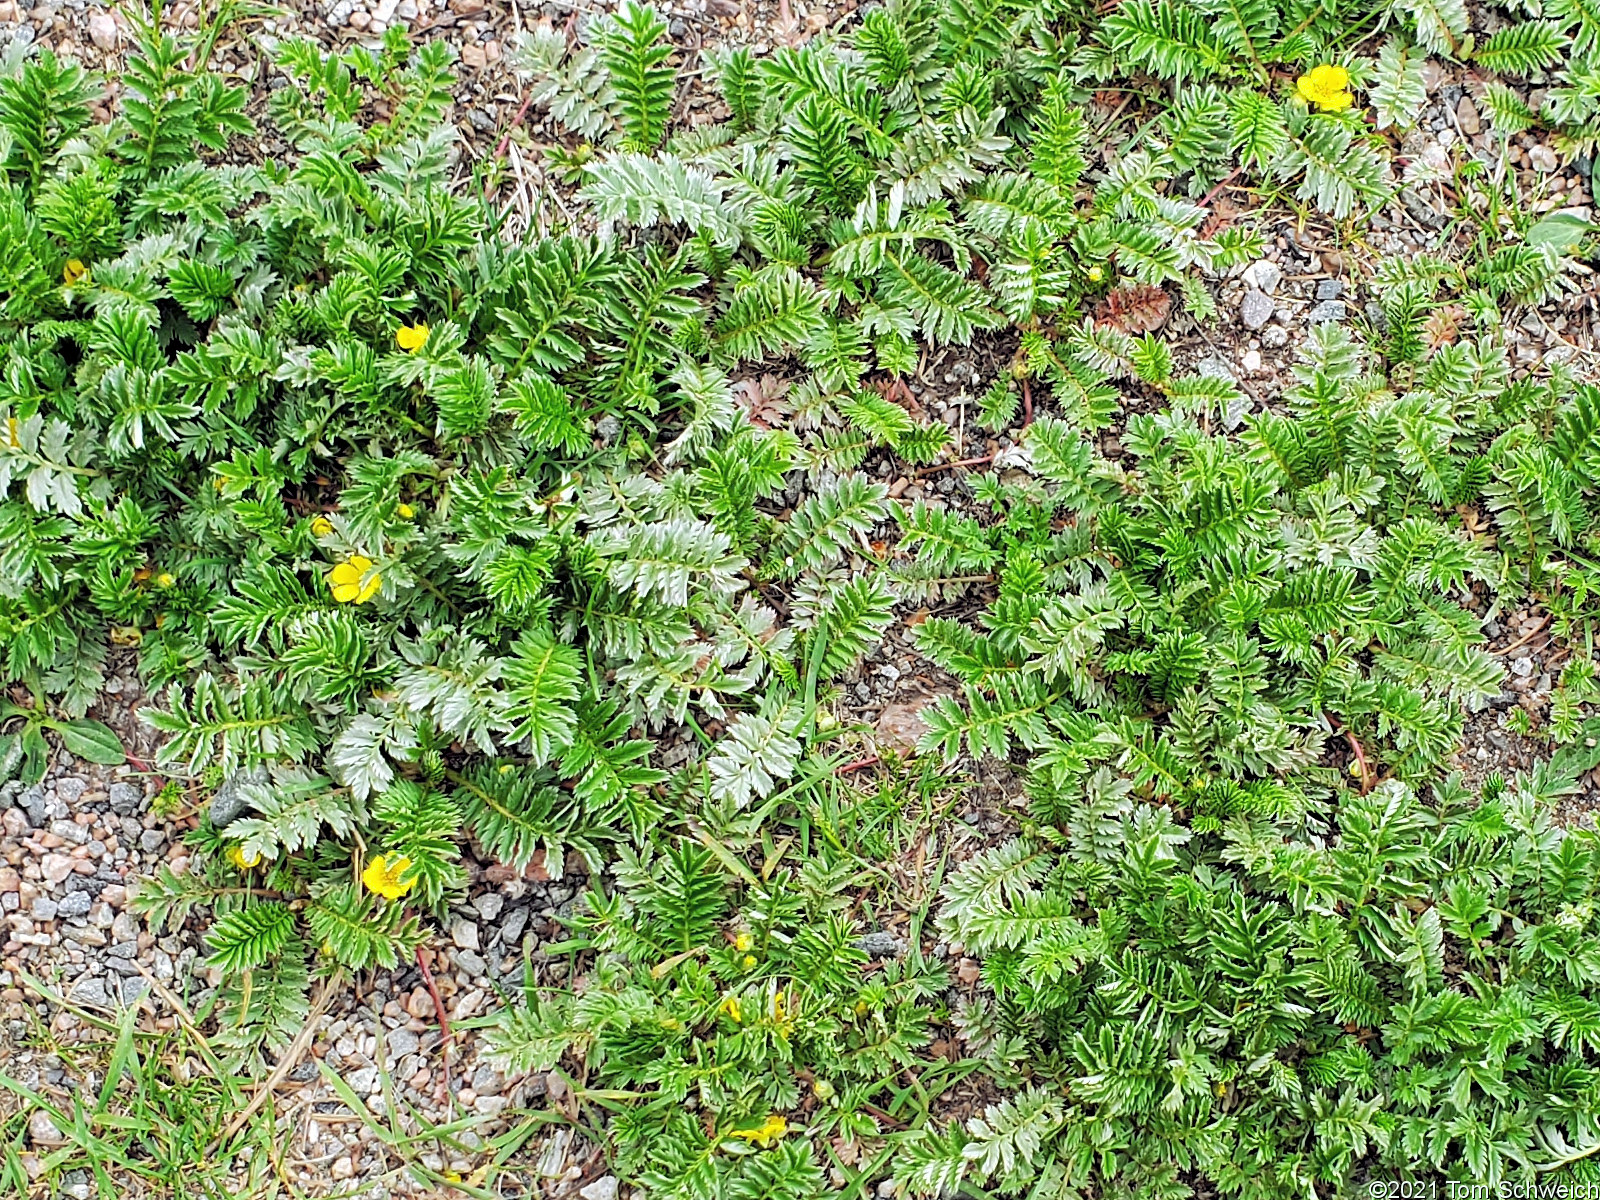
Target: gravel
x=1256, y=309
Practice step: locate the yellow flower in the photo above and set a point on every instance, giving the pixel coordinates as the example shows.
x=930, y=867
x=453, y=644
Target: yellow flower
x=412, y=337
x=238, y=858
x=345, y=580
x=166, y=579
x=743, y=941
x=75, y=273
x=1327, y=87
x=321, y=526
x=384, y=877
x=748, y=961
x=765, y=1134
x=731, y=1007
x=405, y=512
x=1096, y=274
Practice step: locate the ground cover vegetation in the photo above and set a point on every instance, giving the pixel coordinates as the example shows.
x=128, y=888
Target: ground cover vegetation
x=427, y=532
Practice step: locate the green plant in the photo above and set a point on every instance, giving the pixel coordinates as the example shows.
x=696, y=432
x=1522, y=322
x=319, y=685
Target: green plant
x=423, y=532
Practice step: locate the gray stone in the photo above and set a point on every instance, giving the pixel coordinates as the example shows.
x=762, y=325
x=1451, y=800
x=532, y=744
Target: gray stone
x=124, y=949
x=464, y=934
x=364, y=1081
x=604, y=1188
x=230, y=802
x=511, y=928
x=33, y=803
x=1263, y=275
x=151, y=840
x=881, y=945
x=44, y=909
x=1256, y=309
x=486, y=1081
x=69, y=788
x=70, y=832
x=1328, y=310
x=489, y=905
x=132, y=989
x=402, y=1042
x=472, y=963
x=1330, y=289
x=125, y=799
x=89, y=990
x=74, y=905
x=42, y=1130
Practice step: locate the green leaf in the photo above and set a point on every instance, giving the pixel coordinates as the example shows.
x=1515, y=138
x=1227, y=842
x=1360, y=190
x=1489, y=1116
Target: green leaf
x=91, y=740
x=1563, y=231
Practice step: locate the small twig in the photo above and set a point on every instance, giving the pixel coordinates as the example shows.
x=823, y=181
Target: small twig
x=871, y=760
x=1367, y=778
x=1524, y=639
x=287, y=1063
x=949, y=466
x=1027, y=403
x=1205, y=201
x=505, y=142
x=447, y=1041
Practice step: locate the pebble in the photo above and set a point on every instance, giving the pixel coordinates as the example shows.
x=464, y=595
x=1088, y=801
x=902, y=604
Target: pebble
x=125, y=798
x=511, y=928
x=1330, y=289
x=1543, y=158
x=1255, y=310
x=364, y=1081
x=604, y=1188
x=1328, y=310
x=343, y=1168
x=74, y=905
x=1251, y=361
x=880, y=945
x=489, y=905
x=1467, y=116
x=55, y=867
x=103, y=31
x=403, y=1042
x=464, y=934
x=230, y=803
x=42, y=1129
x=1263, y=275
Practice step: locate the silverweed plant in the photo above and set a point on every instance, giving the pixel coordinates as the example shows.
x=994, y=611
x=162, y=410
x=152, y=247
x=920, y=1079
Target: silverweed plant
x=426, y=533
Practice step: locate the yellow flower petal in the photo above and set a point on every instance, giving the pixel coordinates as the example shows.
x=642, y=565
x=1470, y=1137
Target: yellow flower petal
x=238, y=858
x=765, y=1134
x=74, y=273
x=1327, y=87
x=412, y=338
x=385, y=878
x=166, y=579
x=321, y=526
x=405, y=512
x=354, y=581
x=731, y=1007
